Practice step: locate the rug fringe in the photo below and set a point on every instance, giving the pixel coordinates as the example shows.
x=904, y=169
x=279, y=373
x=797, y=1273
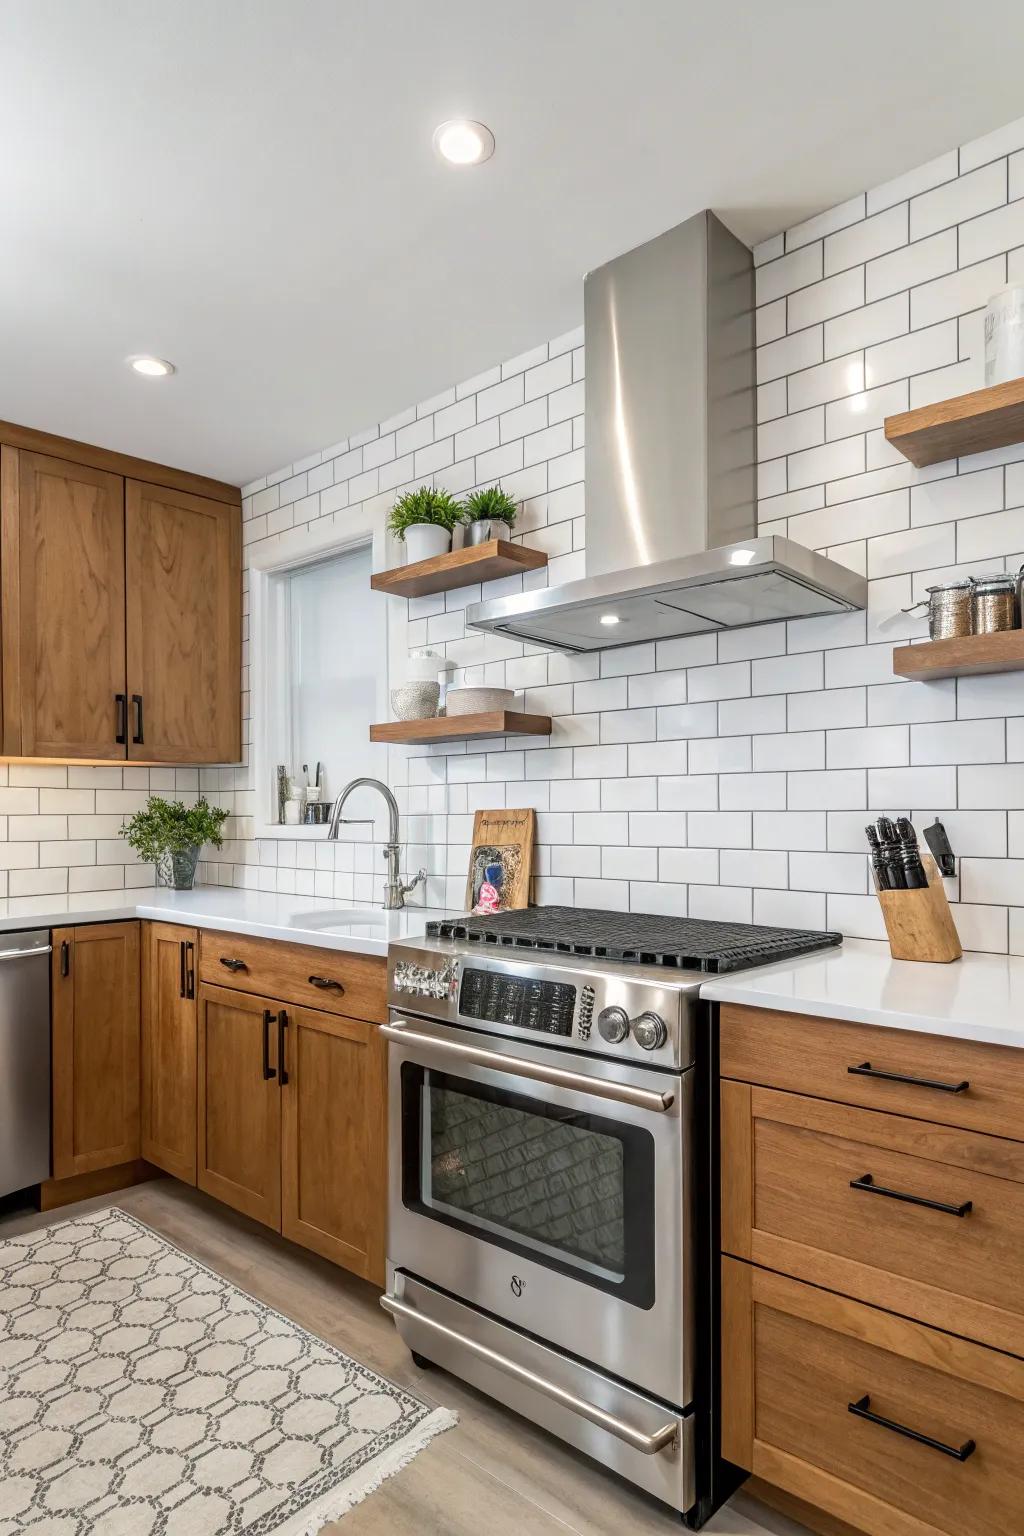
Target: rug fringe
x=312, y=1519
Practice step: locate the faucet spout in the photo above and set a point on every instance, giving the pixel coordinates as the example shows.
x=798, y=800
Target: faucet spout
x=394, y=891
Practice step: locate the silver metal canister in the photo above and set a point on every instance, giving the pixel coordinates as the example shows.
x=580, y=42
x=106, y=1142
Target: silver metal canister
x=994, y=603
x=949, y=609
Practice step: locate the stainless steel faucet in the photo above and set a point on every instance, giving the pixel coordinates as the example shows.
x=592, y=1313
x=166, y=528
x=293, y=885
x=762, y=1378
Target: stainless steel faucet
x=394, y=891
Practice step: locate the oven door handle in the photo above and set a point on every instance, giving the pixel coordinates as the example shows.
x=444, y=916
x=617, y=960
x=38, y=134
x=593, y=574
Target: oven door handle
x=648, y=1445
x=557, y=1077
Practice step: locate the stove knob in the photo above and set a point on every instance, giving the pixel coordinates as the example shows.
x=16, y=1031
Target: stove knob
x=649, y=1031
x=613, y=1024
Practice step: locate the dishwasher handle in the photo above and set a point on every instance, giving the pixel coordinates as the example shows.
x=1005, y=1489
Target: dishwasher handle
x=23, y=954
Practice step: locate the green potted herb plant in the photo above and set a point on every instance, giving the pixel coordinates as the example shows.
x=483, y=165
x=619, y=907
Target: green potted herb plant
x=483, y=509
x=423, y=520
x=170, y=835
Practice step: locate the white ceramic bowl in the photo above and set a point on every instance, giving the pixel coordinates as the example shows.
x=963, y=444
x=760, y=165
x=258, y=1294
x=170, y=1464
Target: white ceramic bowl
x=478, y=701
x=415, y=701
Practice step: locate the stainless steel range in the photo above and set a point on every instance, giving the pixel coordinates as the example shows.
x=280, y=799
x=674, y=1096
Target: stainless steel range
x=548, y=1237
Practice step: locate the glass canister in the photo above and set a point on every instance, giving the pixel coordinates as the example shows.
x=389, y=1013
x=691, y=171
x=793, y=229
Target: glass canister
x=994, y=603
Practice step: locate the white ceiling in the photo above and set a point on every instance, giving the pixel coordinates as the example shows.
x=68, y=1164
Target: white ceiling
x=248, y=188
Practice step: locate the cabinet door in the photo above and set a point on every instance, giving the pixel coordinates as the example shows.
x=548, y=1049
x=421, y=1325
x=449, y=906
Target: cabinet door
x=333, y=1135
x=183, y=565
x=169, y=1049
x=95, y=1047
x=239, y=1151
x=63, y=608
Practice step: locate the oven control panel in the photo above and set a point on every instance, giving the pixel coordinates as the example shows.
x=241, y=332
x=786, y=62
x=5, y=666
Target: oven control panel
x=520, y=1001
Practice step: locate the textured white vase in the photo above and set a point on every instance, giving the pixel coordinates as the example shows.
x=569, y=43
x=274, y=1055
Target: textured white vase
x=425, y=540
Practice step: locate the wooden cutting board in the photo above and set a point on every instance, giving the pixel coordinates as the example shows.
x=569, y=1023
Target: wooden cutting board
x=501, y=861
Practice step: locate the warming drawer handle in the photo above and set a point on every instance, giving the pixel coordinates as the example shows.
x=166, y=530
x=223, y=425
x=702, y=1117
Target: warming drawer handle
x=557, y=1077
x=862, y=1410
x=23, y=954
x=663, y=1439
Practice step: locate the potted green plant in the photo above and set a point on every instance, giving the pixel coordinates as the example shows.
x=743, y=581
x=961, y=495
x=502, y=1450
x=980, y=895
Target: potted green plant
x=423, y=520
x=482, y=509
x=170, y=835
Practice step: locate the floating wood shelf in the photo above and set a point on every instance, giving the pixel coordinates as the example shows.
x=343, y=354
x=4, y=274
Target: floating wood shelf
x=496, y=722
x=461, y=568
x=961, y=657
x=986, y=418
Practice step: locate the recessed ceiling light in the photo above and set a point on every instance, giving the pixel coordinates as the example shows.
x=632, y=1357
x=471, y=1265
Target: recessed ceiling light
x=151, y=367
x=609, y=618
x=463, y=142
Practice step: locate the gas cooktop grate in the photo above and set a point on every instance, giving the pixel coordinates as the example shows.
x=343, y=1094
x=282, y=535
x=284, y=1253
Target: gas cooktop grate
x=681, y=943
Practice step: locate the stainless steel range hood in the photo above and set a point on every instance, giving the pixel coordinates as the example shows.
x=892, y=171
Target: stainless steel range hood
x=671, y=464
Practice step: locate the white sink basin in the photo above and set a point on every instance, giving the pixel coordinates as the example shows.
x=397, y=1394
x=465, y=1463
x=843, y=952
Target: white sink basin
x=340, y=918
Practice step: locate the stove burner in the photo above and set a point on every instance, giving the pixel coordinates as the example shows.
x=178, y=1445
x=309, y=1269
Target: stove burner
x=681, y=943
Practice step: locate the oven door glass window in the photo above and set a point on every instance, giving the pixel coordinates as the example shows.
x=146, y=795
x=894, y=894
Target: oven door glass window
x=573, y=1191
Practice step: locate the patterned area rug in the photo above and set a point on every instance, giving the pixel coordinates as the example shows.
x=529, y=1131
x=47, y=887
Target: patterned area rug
x=142, y=1395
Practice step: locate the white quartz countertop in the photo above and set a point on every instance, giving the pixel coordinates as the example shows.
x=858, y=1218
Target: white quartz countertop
x=300, y=919
x=980, y=997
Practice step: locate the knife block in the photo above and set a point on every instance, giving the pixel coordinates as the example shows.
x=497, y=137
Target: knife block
x=919, y=923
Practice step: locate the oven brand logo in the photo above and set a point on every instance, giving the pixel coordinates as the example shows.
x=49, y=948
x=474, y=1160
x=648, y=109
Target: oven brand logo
x=516, y=1286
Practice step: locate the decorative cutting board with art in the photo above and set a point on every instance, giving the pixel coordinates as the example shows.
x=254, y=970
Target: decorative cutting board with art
x=501, y=861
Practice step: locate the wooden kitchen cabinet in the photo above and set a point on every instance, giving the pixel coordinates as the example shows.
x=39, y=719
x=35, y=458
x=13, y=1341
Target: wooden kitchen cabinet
x=797, y=1362
x=872, y=1196
x=63, y=625
x=169, y=1049
x=334, y=1139
x=95, y=1019
x=120, y=607
x=183, y=582
x=239, y=1103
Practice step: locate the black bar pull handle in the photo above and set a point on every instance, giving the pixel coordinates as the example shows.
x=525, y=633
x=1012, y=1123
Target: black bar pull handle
x=862, y=1410
x=190, y=969
x=325, y=983
x=867, y=1186
x=282, y=1025
x=65, y=957
x=232, y=964
x=181, y=963
x=867, y=1070
x=137, y=701
x=268, y=1070
x=121, y=727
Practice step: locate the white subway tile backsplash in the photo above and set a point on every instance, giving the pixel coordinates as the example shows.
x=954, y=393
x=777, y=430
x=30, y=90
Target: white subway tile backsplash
x=866, y=239
x=721, y=775
x=868, y=326
x=833, y=296
x=788, y=273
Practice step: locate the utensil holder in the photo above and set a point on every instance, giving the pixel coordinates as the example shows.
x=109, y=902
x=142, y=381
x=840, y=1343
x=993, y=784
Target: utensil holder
x=919, y=923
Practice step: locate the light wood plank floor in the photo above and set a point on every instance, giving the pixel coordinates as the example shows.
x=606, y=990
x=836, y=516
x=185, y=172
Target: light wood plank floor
x=493, y=1472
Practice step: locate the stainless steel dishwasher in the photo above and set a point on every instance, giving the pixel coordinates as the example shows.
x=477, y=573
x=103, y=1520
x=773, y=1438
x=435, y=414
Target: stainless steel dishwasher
x=24, y=1059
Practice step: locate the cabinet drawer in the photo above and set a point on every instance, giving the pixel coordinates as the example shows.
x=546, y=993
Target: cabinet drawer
x=796, y=1358
x=334, y=981
x=955, y=1082
x=922, y=1219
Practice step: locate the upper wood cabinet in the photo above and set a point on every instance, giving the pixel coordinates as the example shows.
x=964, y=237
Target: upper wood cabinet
x=95, y=1010
x=63, y=628
x=121, y=608
x=183, y=564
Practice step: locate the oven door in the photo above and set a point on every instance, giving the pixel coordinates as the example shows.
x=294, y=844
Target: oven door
x=552, y=1191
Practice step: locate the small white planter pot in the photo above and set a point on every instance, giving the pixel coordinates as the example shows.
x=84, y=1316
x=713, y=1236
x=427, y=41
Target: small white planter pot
x=425, y=540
